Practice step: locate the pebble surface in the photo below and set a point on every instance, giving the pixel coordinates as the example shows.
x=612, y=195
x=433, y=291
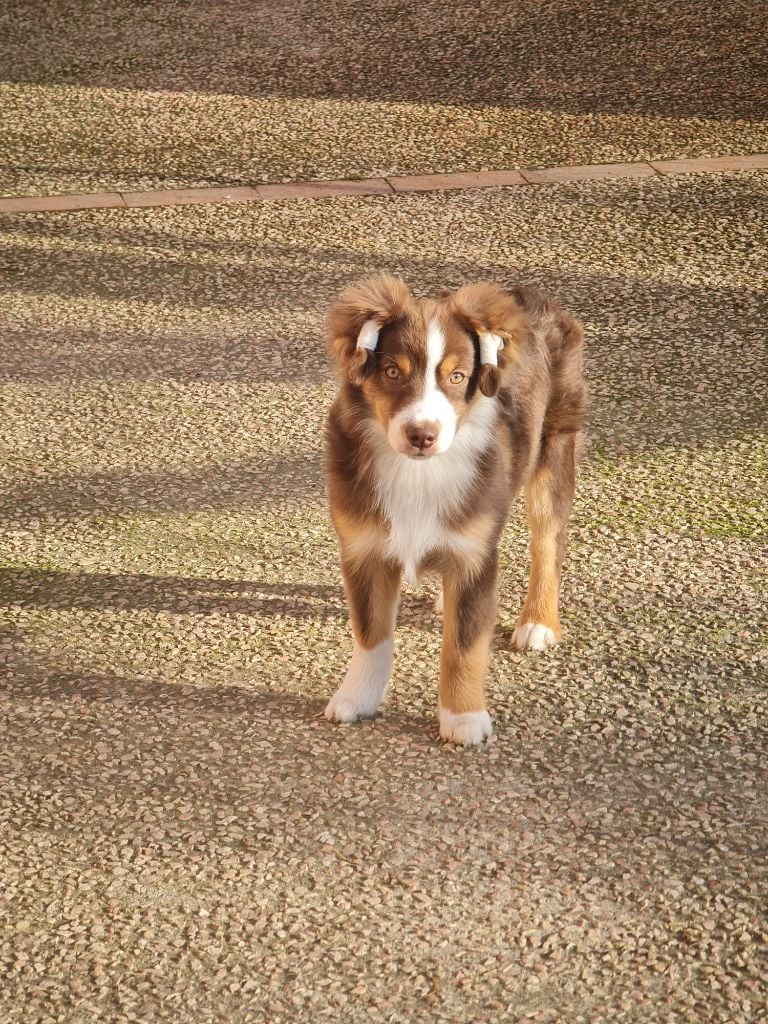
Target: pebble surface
x=185, y=93
x=183, y=836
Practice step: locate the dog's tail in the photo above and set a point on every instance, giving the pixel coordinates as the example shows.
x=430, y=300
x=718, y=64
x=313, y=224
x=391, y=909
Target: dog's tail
x=568, y=395
x=565, y=347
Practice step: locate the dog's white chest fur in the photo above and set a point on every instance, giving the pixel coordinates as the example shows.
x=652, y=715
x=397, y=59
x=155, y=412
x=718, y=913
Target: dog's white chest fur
x=417, y=496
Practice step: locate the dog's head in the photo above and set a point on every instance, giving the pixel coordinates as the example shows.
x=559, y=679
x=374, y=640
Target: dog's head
x=422, y=365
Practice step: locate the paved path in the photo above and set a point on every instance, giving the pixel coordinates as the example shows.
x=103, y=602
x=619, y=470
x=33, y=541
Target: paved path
x=183, y=837
x=393, y=185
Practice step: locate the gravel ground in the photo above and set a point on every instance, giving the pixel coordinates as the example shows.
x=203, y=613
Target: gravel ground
x=135, y=95
x=184, y=837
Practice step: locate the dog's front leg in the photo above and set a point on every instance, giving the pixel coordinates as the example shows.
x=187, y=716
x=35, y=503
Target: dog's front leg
x=373, y=588
x=468, y=622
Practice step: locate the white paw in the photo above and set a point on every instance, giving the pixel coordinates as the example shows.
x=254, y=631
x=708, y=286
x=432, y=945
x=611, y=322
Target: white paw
x=469, y=729
x=364, y=684
x=349, y=707
x=532, y=636
x=440, y=603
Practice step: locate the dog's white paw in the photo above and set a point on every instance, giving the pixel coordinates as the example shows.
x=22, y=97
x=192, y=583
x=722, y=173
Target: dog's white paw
x=469, y=729
x=532, y=636
x=364, y=684
x=349, y=707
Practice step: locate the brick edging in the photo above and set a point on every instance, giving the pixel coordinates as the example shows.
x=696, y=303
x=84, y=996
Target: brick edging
x=392, y=185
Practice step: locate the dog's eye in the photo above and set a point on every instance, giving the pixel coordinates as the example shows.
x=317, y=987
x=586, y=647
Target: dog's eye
x=456, y=377
x=392, y=372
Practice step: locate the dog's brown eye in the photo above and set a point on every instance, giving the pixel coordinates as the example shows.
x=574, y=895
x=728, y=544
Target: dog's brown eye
x=456, y=377
x=392, y=372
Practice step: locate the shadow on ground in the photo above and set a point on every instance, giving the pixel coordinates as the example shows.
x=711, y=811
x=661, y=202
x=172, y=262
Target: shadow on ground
x=609, y=786
x=177, y=595
x=262, y=306
x=650, y=57
x=255, y=483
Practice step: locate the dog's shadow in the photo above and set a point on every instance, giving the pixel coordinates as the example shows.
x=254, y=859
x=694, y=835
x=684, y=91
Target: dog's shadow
x=179, y=595
x=186, y=595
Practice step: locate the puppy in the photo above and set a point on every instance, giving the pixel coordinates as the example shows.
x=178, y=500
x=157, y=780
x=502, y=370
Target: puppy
x=447, y=408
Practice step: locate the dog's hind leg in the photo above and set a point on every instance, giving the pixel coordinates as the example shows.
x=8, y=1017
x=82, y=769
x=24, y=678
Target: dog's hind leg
x=373, y=589
x=549, y=497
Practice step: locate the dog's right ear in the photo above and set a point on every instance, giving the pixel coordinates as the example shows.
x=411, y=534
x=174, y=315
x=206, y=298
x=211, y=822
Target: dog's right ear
x=356, y=318
x=494, y=316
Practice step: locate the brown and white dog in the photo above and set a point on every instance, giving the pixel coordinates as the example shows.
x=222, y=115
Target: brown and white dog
x=447, y=408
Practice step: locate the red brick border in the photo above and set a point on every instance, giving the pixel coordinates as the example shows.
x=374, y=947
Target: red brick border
x=326, y=189
x=47, y=204
x=589, y=172
x=395, y=184
x=464, y=179
x=713, y=165
x=189, y=196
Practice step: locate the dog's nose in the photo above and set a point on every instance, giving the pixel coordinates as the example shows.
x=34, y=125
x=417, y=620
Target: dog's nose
x=422, y=436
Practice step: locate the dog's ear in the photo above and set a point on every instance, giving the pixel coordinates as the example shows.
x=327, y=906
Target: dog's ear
x=356, y=318
x=493, y=315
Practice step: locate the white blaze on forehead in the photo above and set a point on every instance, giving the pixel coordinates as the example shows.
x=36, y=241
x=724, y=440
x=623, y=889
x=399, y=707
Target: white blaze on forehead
x=432, y=407
x=489, y=347
x=368, y=336
x=435, y=353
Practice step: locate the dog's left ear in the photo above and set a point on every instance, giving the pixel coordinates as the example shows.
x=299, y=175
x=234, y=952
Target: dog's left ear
x=496, y=319
x=357, y=317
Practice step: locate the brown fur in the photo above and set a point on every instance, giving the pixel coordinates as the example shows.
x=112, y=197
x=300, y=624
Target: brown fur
x=384, y=299
x=372, y=589
x=468, y=621
x=541, y=399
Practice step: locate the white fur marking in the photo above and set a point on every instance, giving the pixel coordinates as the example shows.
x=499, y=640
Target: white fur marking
x=418, y=495
x=489, y=348
x=532, y=636
x=364, y=684
x=435, y=353
x=469, y=729
x=368, y=336
x=440, y=602
x=432, y=407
